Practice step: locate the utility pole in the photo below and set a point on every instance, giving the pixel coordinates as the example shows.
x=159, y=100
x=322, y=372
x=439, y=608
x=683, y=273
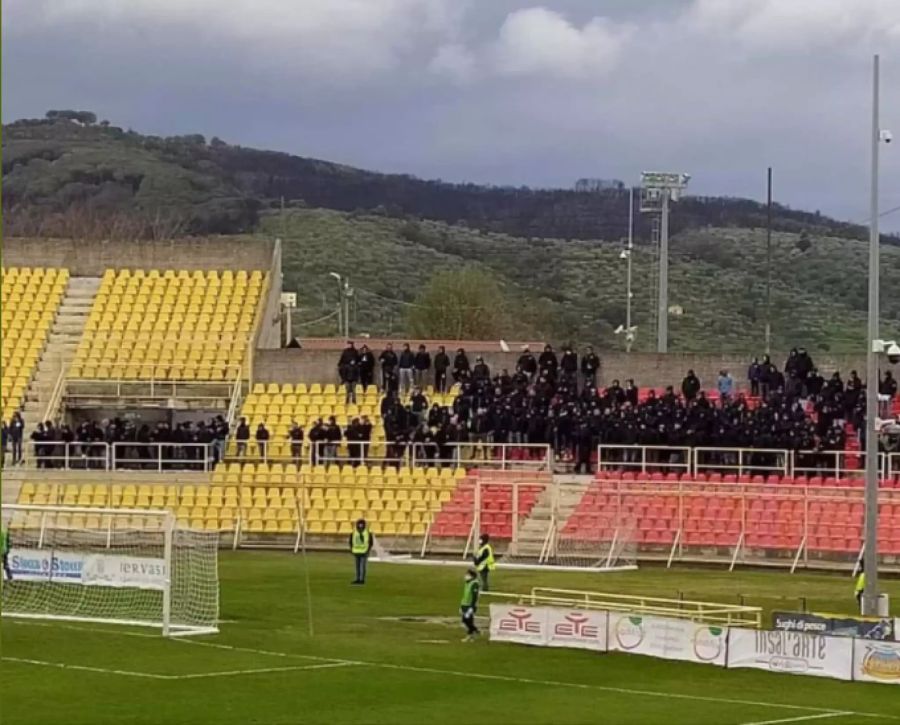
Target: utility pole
x=769, y=262
x=870, y=550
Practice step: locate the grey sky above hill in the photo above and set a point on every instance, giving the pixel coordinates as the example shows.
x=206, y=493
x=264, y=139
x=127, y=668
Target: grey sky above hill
x=538, y=92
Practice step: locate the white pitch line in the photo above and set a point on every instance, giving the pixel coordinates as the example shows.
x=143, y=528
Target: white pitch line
x=251, y=650
x=801, y=718
x=263, y=670
x=818, y=711
x=190, y=676
x=85, y=668
x=504, y=678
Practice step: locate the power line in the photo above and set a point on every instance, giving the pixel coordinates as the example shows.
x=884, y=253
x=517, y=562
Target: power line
x=414, y=304
x=313, y=322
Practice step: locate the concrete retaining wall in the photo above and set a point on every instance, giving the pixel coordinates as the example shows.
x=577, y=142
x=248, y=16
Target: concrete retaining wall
x=647, y=369
x=91, y=258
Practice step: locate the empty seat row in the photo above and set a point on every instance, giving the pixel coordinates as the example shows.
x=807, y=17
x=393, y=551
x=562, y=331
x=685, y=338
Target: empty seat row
x=29, y=304
x=171, y=325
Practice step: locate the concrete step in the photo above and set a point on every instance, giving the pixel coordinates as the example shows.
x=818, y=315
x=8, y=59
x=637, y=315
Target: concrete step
x=73, y=327
x=10, y=483
x=77, y=311
x=62, y=344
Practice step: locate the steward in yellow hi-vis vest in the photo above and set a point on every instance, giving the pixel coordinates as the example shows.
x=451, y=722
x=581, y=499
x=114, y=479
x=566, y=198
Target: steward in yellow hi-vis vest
x=860, y=587
x=484, y=560
x=361, y=541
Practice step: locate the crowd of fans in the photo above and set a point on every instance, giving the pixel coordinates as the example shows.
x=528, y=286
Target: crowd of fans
x=549, y=399
x=185, y=445
x=554, y=400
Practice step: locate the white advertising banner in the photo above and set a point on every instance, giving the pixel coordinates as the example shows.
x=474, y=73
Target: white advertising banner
x=577, y=628
x=73, y=567
x=45, y=565
x=138, y=572
x=668, y=638
x=875, y=661
x=796, y=653
x=515, y=623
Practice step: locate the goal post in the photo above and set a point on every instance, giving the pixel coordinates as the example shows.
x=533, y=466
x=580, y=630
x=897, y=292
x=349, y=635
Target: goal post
x=132, y=567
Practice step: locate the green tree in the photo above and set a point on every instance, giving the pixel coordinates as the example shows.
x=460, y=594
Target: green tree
x=86, y=117
x=460, y=304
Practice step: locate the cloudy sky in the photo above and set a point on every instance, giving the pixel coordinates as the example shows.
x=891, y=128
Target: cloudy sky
x=537, y=92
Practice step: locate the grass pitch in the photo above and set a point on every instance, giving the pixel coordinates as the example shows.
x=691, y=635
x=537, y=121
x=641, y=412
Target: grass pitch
x=390, y=652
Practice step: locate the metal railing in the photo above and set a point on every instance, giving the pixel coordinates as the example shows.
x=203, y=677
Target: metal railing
x=215, y=393
x=234, y=405
x=833, y=464
x=161, y=456
x=741, y=462
x=50, y=412
x=742, y=522
x=502, y=456
x=645, y=459
x=892, y=465
x=124, y=455
x=735, y=615
x=366, y=453
x=76, y=455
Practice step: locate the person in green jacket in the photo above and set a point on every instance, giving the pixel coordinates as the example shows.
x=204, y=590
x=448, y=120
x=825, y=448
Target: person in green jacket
x=4, y=549
x=469, y=604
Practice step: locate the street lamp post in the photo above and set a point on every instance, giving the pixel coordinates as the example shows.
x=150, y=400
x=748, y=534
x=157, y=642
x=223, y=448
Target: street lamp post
x=629, y=331
x=627, y=254
x=658, y=189
x=340, y=308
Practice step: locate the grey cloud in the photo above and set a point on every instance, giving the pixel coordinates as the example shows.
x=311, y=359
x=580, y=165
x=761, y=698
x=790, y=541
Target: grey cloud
x=500, y=91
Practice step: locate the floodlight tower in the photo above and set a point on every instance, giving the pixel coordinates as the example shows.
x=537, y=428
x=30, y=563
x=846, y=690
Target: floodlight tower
x=658, y=190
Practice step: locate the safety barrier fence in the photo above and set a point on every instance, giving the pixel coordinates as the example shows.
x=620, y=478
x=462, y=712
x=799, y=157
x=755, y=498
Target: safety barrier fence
x=505, y=456
x=737, y=462
x=531, y=518
x=118, y=456
x=201, y=385
x=732, y=615
x=742, y=522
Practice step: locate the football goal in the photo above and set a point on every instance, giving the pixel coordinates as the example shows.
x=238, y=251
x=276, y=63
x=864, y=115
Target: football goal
x=115, y=566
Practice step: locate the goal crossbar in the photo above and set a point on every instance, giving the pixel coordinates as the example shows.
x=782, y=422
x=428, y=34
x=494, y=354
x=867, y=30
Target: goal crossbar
x=133, y=567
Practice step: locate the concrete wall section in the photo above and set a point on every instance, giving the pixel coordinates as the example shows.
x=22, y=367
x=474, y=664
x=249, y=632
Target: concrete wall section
x=91, y=258
x=270, y=335
x=647, y=369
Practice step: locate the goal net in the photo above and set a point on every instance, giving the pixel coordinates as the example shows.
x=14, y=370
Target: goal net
x=578, y=529
x=535, y=521
x=115, y=566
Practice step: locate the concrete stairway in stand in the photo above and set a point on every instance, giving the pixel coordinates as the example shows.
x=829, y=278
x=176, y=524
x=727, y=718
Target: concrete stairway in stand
x=532, y=532
x=62, y=343
x=11, y=479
